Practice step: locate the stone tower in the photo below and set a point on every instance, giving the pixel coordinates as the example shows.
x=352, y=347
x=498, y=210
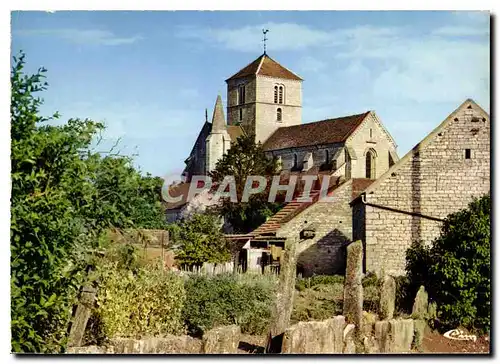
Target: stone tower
x=218, y=141
x=264, y=96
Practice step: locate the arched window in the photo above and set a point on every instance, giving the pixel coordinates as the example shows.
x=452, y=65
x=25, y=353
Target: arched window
x=347, y=164
x=278, y=114
x=370, y=164
x=281, y=94
x=327, y=156
x=275, y=94
x=241, y=94
x=295, y=161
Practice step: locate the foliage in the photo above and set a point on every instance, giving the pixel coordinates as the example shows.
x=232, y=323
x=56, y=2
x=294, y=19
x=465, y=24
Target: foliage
x=370, y=279
x=455, y=270
x=200, y=239
x=228, y=299
x=148, y=302
x=245, y=158
x=309, y=282
x=63, y=196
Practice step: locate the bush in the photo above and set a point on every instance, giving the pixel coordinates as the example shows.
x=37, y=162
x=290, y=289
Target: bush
x=456, y=269
x=228, y=299
x=310, y=282
x=370, y=279
x=200, y=239
x=145, y=303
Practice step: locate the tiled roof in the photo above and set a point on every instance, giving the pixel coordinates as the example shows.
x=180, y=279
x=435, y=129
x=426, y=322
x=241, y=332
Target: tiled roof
x=320, y=132
x=292, y=209
x=359, y=185
x=235, y=131
x=265, y=66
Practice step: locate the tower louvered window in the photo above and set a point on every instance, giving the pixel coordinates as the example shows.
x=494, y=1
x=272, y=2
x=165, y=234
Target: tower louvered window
x=241, y=95
x=280, y=101
x=275, y=94
x=278, y=114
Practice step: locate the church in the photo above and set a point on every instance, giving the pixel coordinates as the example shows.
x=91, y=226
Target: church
x=265, y=99
x=376, y=197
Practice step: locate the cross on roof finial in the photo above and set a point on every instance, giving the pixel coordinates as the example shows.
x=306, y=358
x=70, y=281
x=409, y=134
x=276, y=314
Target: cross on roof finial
x=264, y=31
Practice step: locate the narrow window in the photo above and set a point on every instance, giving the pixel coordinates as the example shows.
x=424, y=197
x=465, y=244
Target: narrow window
x=295, y=161
x=327, y=156
x=281, y=95
x=241, y=94
x=347, y=164
x=275, y=94
x=371, y=133
x=467, y=154
x=278, y=114
x=370, y=164
x=241, y=114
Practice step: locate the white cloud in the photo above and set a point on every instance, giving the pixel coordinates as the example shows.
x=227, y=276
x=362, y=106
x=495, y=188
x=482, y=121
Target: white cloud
x=309, y=63
x=83, y=36
x=459, y=31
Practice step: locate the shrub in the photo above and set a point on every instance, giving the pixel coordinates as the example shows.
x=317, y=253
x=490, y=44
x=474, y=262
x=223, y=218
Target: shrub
x=456, y=269
x=147, y=302
x=200, y=239
x=310, y=282
x=228, y=299
x=370, y=279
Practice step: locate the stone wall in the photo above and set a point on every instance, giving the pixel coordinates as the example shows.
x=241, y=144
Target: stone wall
x=266, y=121
x=434, y=179
x=318, y=155
x=221, y=340
x=371, y=135
x=325, y=253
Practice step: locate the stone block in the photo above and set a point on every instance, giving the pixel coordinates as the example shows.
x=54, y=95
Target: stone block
x=387, y=298
x=222, y=340
x=353, y=289
x=419, y=333
x=315, y=337
x=349, y=339
x=401, y=335
x=420, y=305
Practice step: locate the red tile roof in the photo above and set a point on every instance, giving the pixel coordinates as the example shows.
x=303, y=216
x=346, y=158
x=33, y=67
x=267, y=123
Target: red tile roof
x=320, y=132
x=292, y=209
x=265, y=66
x=359, y=185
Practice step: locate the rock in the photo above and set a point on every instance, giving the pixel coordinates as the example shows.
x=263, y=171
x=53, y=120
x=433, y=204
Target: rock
x=401, y=335
x=90, y=350
x=353, y=289
x=420, y=305
x=387, y=298
x=315, y=337
x=419, y=333
x=382, y=336
x=283, y=304
x=222, y=340
x=368, y=325
x=370, y=345
x=349, y=339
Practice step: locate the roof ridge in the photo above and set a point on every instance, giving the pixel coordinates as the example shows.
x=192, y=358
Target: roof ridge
x=260, y=63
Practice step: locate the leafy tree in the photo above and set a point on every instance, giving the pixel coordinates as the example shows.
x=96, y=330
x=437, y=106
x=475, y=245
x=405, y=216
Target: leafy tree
x=456, y=268
x=63, y=197
x=245, y=158
x=201, y=240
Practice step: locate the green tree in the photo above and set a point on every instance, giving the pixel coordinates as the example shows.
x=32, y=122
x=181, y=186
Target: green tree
x=456, y=268
x=63, y=197
x=246, y=158
x=200, y=239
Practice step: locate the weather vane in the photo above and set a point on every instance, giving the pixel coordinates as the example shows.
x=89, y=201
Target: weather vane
x=264, y=31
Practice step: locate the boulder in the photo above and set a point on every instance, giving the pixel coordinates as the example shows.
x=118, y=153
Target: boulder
x=315, y=337
x=222, y=340
x=387, y=298
x=420, y=305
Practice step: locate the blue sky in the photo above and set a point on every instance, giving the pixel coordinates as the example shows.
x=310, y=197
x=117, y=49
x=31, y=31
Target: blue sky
x=150, y=75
